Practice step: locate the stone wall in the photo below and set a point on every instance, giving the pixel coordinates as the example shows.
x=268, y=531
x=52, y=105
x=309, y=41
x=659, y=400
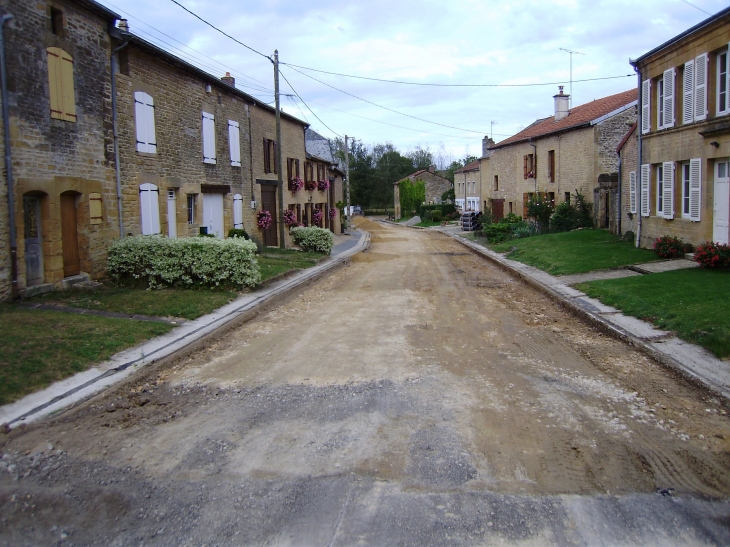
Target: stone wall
x=629, y=157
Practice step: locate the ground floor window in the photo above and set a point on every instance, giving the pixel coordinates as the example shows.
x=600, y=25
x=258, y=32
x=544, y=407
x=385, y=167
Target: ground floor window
x=191, y=208
x=659, y=189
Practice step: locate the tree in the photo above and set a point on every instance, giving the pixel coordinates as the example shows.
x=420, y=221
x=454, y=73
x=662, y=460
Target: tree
x=421, y=158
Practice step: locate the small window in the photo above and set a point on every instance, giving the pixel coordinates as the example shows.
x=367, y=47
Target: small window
x=528, y=166
x=496, y=183
x=551, y=165
x=95, y=209
x=551, y=198
x=567, y=197
x=56, y=16
x=191, y=208
x=660, y=102
x=270, y=156
x=659, y=189
x=723, y=102
x=685, y=190
x=510, y=207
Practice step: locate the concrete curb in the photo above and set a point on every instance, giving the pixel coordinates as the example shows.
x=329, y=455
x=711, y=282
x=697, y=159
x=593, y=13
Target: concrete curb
x=177, y=343
x=692, y=362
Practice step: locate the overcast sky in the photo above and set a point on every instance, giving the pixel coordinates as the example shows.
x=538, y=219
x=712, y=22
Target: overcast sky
x=420, y=41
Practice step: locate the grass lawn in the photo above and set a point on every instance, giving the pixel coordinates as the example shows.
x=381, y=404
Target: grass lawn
x=189, y=304
x=274, y=261
x=575, y=252
x=428, y=223
x=40, y=347
x=693, y=303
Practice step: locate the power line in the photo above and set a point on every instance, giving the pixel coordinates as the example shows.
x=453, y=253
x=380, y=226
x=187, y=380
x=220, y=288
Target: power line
x=696, y=7
x=305, y=104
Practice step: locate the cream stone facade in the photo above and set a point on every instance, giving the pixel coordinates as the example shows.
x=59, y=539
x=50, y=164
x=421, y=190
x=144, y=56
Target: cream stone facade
x=468, y=187
x=435, y=186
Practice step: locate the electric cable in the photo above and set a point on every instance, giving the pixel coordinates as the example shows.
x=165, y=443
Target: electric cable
x=305, y=104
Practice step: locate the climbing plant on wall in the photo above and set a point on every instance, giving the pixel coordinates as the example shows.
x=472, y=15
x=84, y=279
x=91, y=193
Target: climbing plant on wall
x=412, y=195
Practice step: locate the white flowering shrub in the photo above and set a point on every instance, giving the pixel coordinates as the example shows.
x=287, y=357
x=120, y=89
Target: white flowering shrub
x=313, y=239
x=185, y=262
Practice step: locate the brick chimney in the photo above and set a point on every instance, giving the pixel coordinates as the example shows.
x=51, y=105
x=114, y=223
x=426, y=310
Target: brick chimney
x=432, y=169
x=561, y=104
x=124, y=25
x=228, y=79
x=486, y=143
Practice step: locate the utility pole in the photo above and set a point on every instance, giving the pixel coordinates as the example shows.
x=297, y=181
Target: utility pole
x=570, y=100
x=347, y=183
x=280, y=185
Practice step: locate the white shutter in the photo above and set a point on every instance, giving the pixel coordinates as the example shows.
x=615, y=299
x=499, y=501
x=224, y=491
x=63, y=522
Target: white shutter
x=149, y=208
x=646, y=106
x=632, y=192
x=645, y=205
x=144, y=119
x=701, y=63
x=238, y=212
x=669, y=98
x=695, y=188
x=234, y=143
x=688, y=102
x=208, y=137
x=150, y=121
x=668, y=190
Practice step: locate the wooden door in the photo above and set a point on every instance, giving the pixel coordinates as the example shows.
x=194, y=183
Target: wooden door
x=33, y=241
x=69, y=235
x=721, y=220
x=268, y=203
x=497, y=209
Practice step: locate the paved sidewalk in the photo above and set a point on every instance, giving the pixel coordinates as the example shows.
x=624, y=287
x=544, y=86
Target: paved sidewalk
x=691, y=360
x=85, y=384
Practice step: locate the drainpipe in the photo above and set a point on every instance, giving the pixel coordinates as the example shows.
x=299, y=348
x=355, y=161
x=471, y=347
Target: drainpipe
x=620, y=195
x=534, y=165
x=116, y=136
x=8, y=162
x=640, y=157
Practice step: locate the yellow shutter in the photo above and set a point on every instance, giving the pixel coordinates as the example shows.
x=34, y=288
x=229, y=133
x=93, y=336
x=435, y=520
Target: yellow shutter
x=54, y=81
x=95, y=210
x=67, y=80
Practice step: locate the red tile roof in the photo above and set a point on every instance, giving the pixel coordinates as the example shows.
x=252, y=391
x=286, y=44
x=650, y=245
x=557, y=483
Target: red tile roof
x=579, y=116
x=473, y=166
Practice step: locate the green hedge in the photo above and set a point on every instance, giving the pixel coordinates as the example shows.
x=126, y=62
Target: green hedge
x=445, y=208
x=185, y=262
x=313, y=239
x=412, y=195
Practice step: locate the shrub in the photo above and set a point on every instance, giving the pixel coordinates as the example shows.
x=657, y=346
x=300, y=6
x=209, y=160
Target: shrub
x=565, y=218
x=540, y=209
x=313, y=239
x=436, y=215
x=712, y=255
x=502, y=230
x=238, y=232
x=584, y=211
x=520, y=230
x=185, y=262
x=668, y=247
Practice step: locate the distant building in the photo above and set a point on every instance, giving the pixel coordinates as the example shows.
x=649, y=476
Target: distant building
x=468, y=187
x=435, y=186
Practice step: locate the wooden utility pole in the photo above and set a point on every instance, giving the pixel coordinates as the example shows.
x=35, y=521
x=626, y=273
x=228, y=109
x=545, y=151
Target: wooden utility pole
x=347, y=183
x=280, y=185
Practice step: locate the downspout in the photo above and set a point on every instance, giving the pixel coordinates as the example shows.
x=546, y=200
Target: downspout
x=250, y=156
x=620, y=195
x=8, y=163
x=534, y=165
x=637, y=243
x=116, y=136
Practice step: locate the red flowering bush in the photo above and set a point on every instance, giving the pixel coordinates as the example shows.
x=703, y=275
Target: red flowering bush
x=712, y=255
x=668, y=247
x=323, y=185
x=317, y=216
x=333, y=213
x=263, y=219
x=290, y=217
x=296, y=184
x=310, y=185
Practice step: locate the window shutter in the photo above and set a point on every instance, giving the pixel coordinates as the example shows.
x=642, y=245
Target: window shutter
x=632, y=192
x=208, y=137
x=669, y=98
x=149, y=204
x=95, y=209
x=54, y=82
x=688, y=101
x=144, y=117
x=276, y=162
x=646, y=106
x=296, y=166
x=238, y=212
x=645, y=205
x=695, y=188
x=701, y=62
x=524, y=166
x=234, y=143
x=151, y=136
x=289, y=172
x=266, y=155
x=668, y=190
x=67, y=80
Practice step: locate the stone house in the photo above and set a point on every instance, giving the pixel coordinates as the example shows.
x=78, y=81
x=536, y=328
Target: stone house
x=681, y=185
x=558, y=156
x=58, y=67
x=628, y=151
x=435, y=186
x=484, y=189
x=468, y=187
x=324, y=165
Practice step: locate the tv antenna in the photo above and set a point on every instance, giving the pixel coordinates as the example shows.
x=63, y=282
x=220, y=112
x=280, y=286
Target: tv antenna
x=491, y=128
x=571, y=52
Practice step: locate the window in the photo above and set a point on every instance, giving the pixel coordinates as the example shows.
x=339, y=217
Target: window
x=208, y=138
x=61, y=84
x=270, y=156
x=238, y=212
x=665, y=100
x=695, y=188
x=528, y=166
x=95, y=210
x=510, y=207
x=149, y=198
x=551, y=165
x=308, y=171
x=191, y=208
x=644, y=193
x=685, y=190
x=551, y=198
x=646, y=106
x=632, y=192
x=694, y=89
x=56, y=19
x=660, y=190
x=723, y=82
x=496, y=183
x=668, y=190
x=234, y=143
x=567, y=197
x=144, y=121
x=292, y=170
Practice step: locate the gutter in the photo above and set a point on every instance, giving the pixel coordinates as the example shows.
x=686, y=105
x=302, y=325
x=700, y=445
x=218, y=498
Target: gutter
x=115, y=131
x=8, y=163
x=534, y=166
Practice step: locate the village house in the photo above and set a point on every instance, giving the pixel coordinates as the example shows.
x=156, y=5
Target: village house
x=62, y=177
x=558, y=156
x=319, y=152
x=678, y=184
x=435, y=185
x=495, y=207
x=468, y=187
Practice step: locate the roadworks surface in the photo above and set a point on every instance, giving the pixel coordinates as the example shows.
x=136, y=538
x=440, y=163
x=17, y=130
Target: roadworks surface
x=418, y=396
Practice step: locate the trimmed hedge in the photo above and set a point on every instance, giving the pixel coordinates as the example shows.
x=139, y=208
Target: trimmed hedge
x=313, y=239
x=445, y=208
x=185, y=262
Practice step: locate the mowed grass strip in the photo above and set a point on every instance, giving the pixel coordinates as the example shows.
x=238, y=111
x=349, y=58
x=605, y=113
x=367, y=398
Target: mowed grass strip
x=41, y=347
x=694, y=303
x=575, y=252
x=273, y=262
x=188, y=304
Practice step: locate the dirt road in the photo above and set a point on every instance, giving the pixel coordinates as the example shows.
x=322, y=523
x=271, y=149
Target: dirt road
x=419, y=396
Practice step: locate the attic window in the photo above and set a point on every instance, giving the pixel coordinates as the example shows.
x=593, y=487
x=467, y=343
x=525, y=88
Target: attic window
x=56, y=16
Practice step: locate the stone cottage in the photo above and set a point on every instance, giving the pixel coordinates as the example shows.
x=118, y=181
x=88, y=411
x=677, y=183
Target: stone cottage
x=435, y=186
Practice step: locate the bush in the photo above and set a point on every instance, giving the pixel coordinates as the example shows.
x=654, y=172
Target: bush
x=712, y=255
x=565, y=218
x=668, y=247
x=185, y=262
x=540, y=209
x=238, y=232
x=523, y=229
x=436, y=215
x=313, y=239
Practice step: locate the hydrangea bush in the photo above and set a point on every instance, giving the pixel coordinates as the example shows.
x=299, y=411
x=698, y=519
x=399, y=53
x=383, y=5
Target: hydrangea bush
x=313, y=239
x=185, y=262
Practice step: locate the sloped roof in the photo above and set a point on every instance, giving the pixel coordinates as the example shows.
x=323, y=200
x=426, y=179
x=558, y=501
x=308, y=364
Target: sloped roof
x=579, y=116
x=626, y=137
x=420, y=172
x=318, y=146
x=473, y=166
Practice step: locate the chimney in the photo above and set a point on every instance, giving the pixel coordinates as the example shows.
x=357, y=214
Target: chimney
x=228, y=79
x=486, y=143
x=124, y=25
x=432, y=169
x=561, y=104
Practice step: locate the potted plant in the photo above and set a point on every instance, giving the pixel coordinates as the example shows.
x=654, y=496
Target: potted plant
x=263, y=219
x=290, y=218
x=296, y=184
x=323, y=185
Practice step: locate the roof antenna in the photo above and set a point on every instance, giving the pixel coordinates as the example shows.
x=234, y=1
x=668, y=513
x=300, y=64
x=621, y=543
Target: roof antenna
x=571, y=72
